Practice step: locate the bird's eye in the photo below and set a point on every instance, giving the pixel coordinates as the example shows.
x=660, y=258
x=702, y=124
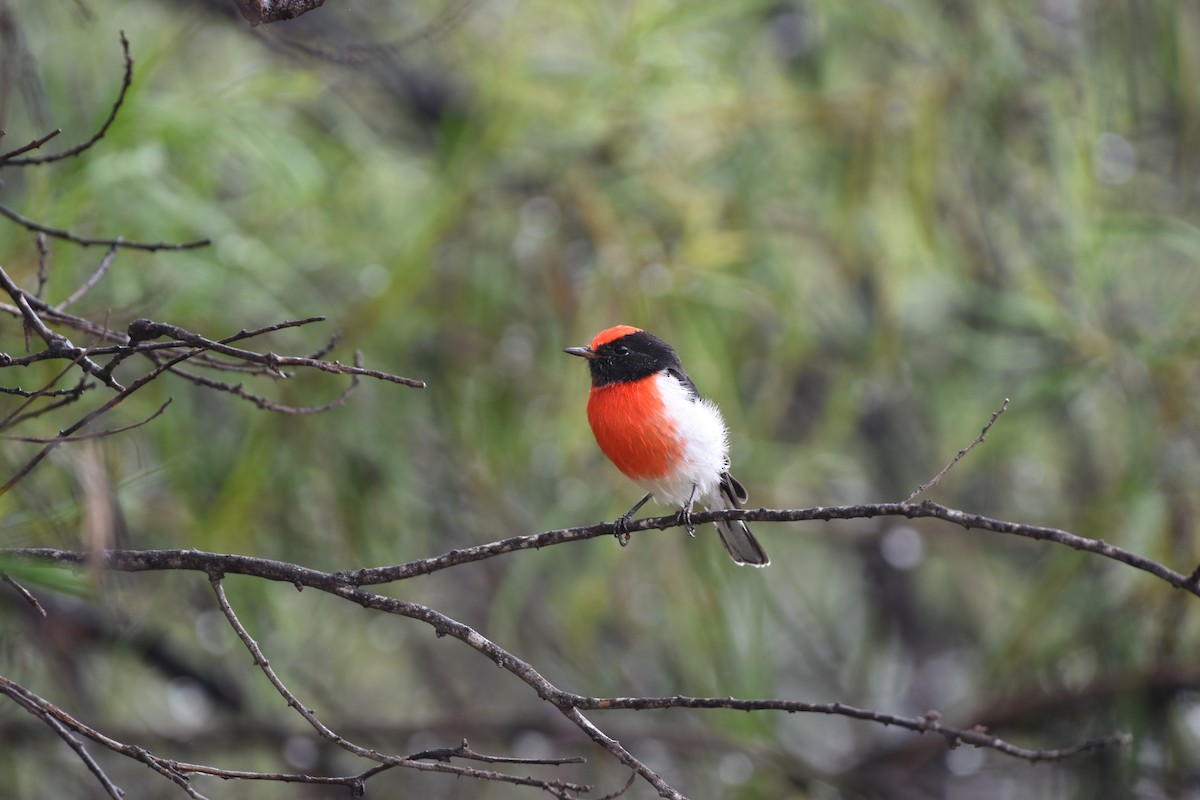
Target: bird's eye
x=621, y=350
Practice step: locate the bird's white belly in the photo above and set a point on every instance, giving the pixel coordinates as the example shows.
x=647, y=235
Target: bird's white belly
x=705, y=445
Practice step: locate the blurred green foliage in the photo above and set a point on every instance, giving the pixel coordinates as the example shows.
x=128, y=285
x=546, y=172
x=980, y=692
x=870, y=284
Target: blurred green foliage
x=863, y=227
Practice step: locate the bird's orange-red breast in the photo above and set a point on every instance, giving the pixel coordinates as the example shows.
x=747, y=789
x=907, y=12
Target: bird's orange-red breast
x=652, y=423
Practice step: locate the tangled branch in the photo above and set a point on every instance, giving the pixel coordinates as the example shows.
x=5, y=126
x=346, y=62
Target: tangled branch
x=164, y=357
x=109, y=348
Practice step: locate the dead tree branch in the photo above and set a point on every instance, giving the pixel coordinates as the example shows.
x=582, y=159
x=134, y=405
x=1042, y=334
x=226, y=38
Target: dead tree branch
x=12, y=159
x=349, y=586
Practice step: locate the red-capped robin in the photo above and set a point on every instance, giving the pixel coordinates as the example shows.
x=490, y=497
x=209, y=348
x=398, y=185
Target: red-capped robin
x=652, y=423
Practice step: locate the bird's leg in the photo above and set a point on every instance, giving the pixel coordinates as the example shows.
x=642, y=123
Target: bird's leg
x=685, y=516
x=622, y=533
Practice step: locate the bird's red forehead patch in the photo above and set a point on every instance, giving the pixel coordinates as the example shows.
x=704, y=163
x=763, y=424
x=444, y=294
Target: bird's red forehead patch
x=612, y=334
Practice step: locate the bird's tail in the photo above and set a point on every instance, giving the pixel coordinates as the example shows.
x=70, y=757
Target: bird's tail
x=739, y=542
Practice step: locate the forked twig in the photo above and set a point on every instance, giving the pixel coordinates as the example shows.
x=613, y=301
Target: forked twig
x=87, y=419
x=126, y=82
x=51, y=714
x=61, y=730
x=929, y=484
x=418, y=762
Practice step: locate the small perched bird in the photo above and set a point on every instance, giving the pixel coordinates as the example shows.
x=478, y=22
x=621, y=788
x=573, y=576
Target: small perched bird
x=652, y=423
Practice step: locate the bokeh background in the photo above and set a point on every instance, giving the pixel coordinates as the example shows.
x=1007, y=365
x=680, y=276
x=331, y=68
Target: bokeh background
x=862, y=225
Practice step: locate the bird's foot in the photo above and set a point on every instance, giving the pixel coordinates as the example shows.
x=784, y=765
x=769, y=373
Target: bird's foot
x=622, y=523
x=685, y=516
x=622, y=531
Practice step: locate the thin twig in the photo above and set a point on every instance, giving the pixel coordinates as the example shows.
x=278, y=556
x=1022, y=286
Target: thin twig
x=87, y=436
x=88, y=241
x=929, y=484
x=260, y=660
x=146, y=329
x=101, y=331
x=43, y=257
x=46, y=711
x=328, y=347
x=65, y=398
x=92, y=280
x=930, y=722
x=622, y=754
x=613, y=795
x=26, y=393
x=62, y=723
x=237, y=390
x=37, y=710
x=34, y=394
x=464, y=751
x=6, y=158
x=87, y=419
x=126, y=81
x=56, y=343
x=25, y=593
x=15, y=416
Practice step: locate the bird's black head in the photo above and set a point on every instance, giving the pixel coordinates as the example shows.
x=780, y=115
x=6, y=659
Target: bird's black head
x=623, y=354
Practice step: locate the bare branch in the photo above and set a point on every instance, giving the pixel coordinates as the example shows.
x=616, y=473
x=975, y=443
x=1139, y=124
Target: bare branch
x=56, y=344
x=63, y=724
x=572, y=705
x=328, y=347
x=410, y=762
x=572, y=712
x=19, y=392
x=25, y=593
x=237, y=390
x=43, y=254
x=25, y=148
x=67, y=397
x=137, y=341
x=142, y=329
x=70, y=320
x=87, y=436
x=88, y=241
x=92, y=280
x=613, y=795
x=34, y=707
x=86, y=420
x=929, y=484
x=155, y=560
x=930, y=722
x=46, y=711
x=464, y=751
x=126, y=81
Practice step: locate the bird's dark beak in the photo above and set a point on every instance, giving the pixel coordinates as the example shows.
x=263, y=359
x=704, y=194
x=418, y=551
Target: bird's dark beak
x=582, y=352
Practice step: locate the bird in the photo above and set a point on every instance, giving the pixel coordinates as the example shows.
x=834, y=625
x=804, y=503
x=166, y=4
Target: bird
x=655, y=427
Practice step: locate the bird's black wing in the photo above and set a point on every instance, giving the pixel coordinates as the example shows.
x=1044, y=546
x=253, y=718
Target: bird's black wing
x=733, y=490
x=678, y=374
